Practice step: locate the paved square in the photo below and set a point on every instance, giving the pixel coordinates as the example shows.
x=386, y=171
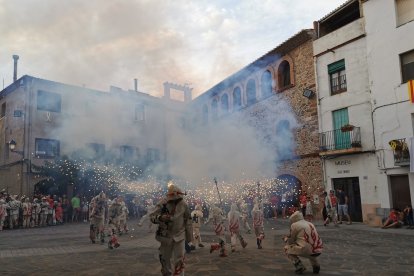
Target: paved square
x=66, y=250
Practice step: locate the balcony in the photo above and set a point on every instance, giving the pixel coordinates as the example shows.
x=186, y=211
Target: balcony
x=340, y=141
x=400, y=151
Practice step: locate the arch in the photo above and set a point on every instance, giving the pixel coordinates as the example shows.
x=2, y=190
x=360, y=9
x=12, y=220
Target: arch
x=284, y=71
x=225, y=103
x=237, y=101
x=289, y=187
x=204, y=119
x=266, y=84
x=251, y=92
x=214, y=109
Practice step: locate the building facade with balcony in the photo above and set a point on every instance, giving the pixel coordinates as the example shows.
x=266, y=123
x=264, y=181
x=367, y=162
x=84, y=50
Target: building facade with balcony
x=47, y=120
x=390, y=48
x=344, y=106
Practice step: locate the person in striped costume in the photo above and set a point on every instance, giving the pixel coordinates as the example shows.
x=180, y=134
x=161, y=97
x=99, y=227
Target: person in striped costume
x=216, y=215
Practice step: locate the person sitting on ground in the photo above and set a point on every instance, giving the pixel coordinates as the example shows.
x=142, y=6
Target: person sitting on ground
x=392, y=220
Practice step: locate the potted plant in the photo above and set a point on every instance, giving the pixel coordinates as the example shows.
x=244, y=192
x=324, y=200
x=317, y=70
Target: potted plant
x=347, y=127
x=356, y=144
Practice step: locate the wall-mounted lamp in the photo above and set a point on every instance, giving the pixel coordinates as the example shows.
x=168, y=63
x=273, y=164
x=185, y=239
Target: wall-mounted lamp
x=308, y=93
x=12, y=147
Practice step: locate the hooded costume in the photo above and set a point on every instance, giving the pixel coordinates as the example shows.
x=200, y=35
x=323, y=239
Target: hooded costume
x=258, y=217
x=303, y=241
x=97, y=217
x=234, y=227
x=216, y=215
x=174, y=229
x=196, y=217
x=244, y=215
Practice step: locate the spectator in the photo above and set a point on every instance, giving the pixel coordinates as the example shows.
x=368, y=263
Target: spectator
x=408, y=217
x=324, y=211
x=302, y=202
x=75, y=208
x=392, y=220
x=343, y=206
x=309, y=209
x=331, y=204
x=65, y=208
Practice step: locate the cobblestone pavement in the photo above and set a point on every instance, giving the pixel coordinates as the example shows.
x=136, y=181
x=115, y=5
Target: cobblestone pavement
x=65, y=250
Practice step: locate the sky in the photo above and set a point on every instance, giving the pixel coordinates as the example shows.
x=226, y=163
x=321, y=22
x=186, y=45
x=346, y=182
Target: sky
x=99, y=43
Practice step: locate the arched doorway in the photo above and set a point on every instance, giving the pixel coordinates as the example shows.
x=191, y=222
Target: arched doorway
x=286, y=190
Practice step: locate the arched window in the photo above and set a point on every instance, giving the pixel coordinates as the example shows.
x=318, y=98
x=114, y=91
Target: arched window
x=237, y=98
x=284, y=74
x=214, y=105
x=205, y=115
x=225, y=103
x=266, y=84
x=251, y=92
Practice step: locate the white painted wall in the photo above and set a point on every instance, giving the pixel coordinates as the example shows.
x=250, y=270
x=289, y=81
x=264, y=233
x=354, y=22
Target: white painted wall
x=362, y=166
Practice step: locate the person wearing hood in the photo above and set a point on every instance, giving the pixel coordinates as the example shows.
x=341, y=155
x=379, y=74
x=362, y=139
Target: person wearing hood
x=14, y=207
x=234, y=228
x=3, y=213
x=216, y=215
x=36, y=209
x=97, y=217
x=114, y=214
x=303, y=241
x=27, y=212
x=196, y=217
x=145, y=219
x=258, y=218
x=174, y=229
x=244, y=215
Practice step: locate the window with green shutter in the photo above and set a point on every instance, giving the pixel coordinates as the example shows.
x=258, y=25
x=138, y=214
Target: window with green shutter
x=337, y=77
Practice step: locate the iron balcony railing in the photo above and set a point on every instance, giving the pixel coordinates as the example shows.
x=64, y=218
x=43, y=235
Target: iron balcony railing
x=340, y=139
x=400, y=151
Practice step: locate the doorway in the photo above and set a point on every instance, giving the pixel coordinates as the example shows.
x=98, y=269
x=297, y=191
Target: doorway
x=350, y=186
x=400, y=191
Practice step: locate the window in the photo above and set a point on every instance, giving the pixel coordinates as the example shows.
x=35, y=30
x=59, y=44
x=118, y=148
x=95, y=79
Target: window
x=237, y=98
x=407, y=66
x=205, y=115
x=340, y=118
x=337, y=77
x=153, y=155
x=140, y=112
x=225, y=103
x=214, y=111
x=3, y=110
x=251, y=92
x=96, y=150
x=405, y=11
x=48, y=101
x=127, y=152
x=47, y=148
x=284, y=74
x=266, y=84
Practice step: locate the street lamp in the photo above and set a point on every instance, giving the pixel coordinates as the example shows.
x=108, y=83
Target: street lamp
x=12, y=147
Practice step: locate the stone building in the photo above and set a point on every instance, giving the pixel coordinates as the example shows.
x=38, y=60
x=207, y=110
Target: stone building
x=44, y=120
x=276, y=95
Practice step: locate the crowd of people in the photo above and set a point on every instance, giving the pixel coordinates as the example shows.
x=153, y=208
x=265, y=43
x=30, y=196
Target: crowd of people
x=40, y=210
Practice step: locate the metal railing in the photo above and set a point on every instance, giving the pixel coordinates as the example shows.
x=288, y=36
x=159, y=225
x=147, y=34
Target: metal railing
x=339, y=139
x=400, y=151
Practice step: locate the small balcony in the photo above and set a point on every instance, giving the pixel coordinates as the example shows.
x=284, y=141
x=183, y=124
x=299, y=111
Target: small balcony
x=340, y=141
x=400, y=151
